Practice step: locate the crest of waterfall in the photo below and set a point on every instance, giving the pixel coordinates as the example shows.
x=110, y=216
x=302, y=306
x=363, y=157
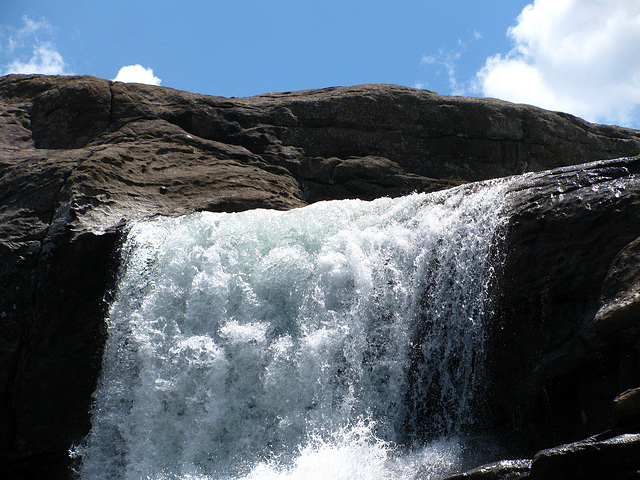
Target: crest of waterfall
x=340, y=340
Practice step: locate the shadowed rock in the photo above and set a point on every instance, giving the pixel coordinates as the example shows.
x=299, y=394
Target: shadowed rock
x=552, y=378
x=502, y=470
x=620, y=302
x=598, y=457
x=626, y=407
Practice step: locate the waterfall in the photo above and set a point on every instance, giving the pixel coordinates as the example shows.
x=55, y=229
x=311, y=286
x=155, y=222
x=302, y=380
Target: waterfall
x=339, y=340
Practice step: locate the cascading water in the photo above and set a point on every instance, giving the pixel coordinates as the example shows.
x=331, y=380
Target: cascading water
x=340, y=340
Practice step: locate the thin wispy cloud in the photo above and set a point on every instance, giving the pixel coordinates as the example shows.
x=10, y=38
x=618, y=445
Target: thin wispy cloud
x=137, y=74
x=446, y=61
x=17, y=37
x=581, y=57
x=31, y=49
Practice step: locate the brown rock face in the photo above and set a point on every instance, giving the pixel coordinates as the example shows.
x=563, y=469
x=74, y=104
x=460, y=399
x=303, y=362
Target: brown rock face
x=80, y=158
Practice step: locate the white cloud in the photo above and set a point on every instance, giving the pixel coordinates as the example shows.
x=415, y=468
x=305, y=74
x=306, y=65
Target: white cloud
x=578, y=56
x=30, y=53
x=45, y=60
x=137, y=74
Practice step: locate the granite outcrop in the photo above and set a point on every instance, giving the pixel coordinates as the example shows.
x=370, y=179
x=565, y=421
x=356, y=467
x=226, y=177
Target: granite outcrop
x=82, y=158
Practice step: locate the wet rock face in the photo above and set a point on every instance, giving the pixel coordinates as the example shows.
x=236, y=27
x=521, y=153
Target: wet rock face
x=81, y=158
x=553, y=378
x=620, y=300
x=563, y=361
x=502, y=470
x=626, y=407
x=598, y=457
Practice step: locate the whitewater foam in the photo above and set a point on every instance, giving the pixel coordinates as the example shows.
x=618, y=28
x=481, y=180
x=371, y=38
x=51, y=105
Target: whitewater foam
x=341, y=340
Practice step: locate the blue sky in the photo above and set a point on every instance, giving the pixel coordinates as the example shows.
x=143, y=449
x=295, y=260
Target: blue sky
x=579, y=56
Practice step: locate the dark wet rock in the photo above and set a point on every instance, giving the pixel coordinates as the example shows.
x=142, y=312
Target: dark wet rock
x=606, y=456
x=626, y=407
x=596, y=458
x=620, y=302
x=552, y=379
x=502, y=470
x=81, y=158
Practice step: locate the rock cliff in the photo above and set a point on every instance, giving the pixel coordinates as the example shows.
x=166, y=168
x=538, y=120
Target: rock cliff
x=563, y=356
x=80, y=158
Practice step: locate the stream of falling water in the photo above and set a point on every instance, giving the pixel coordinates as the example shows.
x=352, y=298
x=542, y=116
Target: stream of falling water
x=343, y=340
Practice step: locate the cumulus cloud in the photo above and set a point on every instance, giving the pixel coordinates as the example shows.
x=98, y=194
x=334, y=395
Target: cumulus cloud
x=24, y=50
x=137, y=74
x=578, y=56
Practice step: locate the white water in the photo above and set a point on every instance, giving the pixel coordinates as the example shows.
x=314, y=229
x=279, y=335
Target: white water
x=339, y=341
